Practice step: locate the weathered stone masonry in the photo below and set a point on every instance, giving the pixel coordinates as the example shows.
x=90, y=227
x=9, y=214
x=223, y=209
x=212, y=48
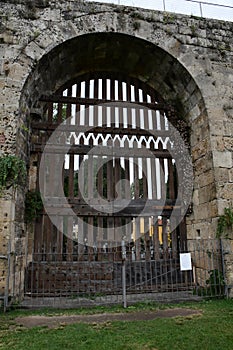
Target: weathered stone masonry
x=188, y=60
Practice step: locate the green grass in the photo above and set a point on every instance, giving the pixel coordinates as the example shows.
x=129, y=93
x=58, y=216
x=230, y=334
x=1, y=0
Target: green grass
x=210, y=331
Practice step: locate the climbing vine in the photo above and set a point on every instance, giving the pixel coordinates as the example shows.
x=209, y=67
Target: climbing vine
x=225, y=223
x=12, y=171
x=33, y=205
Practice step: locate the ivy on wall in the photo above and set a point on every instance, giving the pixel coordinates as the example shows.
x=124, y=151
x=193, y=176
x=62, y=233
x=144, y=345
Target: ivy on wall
x=33, y=206
x=12, y=171
x=225, y=223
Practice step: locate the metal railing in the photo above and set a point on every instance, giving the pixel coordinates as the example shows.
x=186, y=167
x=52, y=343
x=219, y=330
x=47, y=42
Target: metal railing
x=120, y=279
x=218, y=9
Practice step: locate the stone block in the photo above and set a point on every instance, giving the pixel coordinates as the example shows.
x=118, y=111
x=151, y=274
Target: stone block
x=7, y=210
x=195, y=198
x=44, y=41
x=3, y=275
x=200, y=125
x=217, y=143
x=217, y=128
x=222, y=175
x=228, y=130
x=207, y=193
x=52, y=15
x=213, y=209
x=204, y=179
x=228, y=143
x=16, y=71
x=203, y=164
x=201, y=211
x=225, y=191
x=204, y=229
x=34, y=51
x=222, y=204
x=231, y=175
x=200, y=149
x=222, y=159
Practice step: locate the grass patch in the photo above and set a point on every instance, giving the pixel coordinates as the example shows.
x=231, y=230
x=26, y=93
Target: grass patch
x=210, y=331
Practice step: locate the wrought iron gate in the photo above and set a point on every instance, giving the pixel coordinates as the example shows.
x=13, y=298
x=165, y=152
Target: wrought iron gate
x=120, y=180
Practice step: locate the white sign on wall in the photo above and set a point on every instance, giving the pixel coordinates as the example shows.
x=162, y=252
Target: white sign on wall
x=185, y=262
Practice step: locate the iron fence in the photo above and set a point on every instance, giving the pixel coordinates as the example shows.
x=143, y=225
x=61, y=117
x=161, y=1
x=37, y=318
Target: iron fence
x=120, y=279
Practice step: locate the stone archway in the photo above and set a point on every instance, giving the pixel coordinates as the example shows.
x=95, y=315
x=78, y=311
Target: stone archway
x=116, y=55
x=186, y=59
x=134, y=57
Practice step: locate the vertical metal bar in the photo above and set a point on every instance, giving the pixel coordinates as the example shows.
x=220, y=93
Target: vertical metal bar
x=137, y=111
x=90, y=238
x=165, y=237
x=153, y=179
x=127, y=177
x=69, y=248
x=50, y=112
x=96, y=92
x=104, y=108
x=137, y=239
x=171, y=184
x=164, y=5
x=59, y=113
x=120, y=98
x=68, y=106
x=174, y=235
x=81, y=180
x=223, y=268
x=155, y=236
x=144, y=178
x=77, y=106
x=147, y=238
x=145, y=111
x=6, y=294
x=71, y=171
x=59, y=238
x=90, y=174
x=136, y=176
x=200, y=4
x=123, y=250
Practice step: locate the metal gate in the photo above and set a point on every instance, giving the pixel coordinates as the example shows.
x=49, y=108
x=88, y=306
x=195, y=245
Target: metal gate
x=120, y=181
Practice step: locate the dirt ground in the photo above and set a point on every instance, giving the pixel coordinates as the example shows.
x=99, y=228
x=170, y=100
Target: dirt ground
x=54, y=321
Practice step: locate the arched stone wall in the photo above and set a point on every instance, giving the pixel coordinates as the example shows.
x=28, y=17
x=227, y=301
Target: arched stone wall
x=122, y=54
x=187, y=60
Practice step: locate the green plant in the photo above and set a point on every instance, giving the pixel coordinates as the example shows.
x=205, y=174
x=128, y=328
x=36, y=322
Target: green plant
x=215, y=285
x=24, y=128
x=57, y=113
x=136, y=25
x=193, y=30
x=168, y=18
x=215, y=282
x=33, y=205
x=137, y=15
x=225, y=223
x=12, y=171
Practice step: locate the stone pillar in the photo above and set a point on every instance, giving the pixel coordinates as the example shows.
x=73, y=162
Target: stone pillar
x=227, y=247
x=7, y=217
